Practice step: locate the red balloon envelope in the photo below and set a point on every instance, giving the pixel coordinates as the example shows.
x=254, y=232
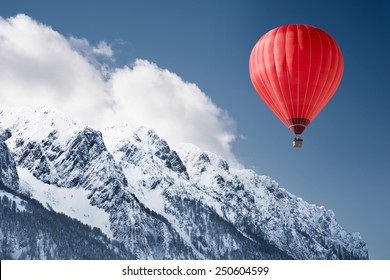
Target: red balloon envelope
x=296, y=69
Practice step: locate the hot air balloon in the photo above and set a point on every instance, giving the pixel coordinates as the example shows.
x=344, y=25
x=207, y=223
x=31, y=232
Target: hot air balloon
x=296, y=69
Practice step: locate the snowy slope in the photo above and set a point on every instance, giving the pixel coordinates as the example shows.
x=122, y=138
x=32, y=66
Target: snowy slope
x=19, y=203
x=71, y=201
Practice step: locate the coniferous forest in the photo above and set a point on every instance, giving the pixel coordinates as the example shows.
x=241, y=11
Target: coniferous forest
x=30, y=231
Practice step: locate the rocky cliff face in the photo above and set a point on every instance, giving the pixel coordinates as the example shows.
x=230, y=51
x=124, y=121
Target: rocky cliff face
x=162, y=201
x=8, y=174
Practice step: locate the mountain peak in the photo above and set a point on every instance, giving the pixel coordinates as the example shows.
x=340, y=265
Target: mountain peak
x=37, y=123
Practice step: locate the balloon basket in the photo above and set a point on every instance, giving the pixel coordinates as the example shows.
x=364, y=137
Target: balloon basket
x=297, y=142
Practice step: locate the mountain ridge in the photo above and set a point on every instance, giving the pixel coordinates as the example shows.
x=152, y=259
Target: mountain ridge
x=182, y=202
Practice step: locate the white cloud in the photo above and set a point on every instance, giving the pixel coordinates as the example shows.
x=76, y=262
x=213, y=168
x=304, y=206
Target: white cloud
x=39, y=66
x=92, y=53
x=103, y=49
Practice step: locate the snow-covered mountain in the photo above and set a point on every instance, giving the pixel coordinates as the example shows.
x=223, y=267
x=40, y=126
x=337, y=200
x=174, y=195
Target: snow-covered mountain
x=161, y=201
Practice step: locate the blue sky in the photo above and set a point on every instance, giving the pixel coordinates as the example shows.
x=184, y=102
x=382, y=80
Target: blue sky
x=345, y=162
